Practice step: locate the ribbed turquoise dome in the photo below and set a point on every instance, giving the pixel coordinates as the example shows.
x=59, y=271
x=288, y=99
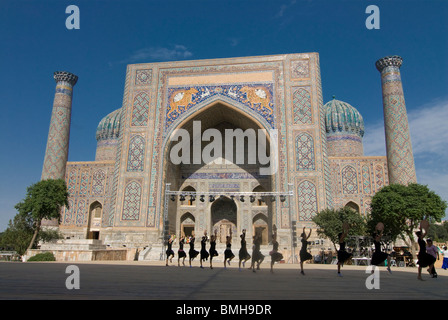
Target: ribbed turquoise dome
x=341, y=117
x=109, y=126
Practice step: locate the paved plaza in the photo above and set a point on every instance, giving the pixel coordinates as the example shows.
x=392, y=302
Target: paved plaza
x=154, y=281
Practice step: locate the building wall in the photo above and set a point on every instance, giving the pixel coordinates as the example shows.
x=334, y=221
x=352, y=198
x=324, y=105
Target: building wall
x=357, y=179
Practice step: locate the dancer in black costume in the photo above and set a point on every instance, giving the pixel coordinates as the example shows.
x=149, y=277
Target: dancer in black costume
x=275, y=255
x=343, y=255
x=169, y=251
x=212, y=251
x=243, y=254
x=304, y=254
x=192, y=253
x=181, y=253
x=424, y=258
x=257, y=256
x=378, y=257
x=204, y=252
x=228, y=254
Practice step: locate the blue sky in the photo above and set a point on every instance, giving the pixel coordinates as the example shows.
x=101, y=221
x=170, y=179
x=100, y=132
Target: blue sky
x=34, y=43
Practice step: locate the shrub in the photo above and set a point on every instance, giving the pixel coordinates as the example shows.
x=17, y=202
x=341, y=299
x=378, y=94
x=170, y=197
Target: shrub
x=45, y=256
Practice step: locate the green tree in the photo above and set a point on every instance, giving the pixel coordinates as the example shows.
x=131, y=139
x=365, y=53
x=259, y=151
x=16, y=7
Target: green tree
x=401, y=208
x=330, y=221
x=43, y=200
x=18, y=234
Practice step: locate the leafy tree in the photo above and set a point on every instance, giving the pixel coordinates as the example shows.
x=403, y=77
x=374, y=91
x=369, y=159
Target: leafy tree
x=438, y=232
x=330, y=221
x=18, y=234
x=401, y=208
x=43, y=200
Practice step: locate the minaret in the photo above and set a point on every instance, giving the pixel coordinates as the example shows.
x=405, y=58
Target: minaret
x=400, y=159
x=56, y=154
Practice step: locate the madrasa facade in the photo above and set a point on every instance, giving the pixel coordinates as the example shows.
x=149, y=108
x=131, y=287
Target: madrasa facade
x=163, y=164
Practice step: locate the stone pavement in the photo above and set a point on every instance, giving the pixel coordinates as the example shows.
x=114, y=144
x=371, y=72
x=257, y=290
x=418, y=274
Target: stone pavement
x=154, y=281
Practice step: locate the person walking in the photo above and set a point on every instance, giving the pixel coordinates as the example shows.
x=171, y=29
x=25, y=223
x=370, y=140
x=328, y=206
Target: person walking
x=445, y=258
x=304, y=254
x=434, y=251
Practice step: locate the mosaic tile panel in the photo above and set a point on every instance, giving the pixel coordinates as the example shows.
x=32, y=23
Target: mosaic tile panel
x=349, y=180
x=143, y=77
x=257, y=97
x=131, y=202
x=307, y=200
x=305, y=160
x=302, y=110
x=140, y=109
x=136, y=154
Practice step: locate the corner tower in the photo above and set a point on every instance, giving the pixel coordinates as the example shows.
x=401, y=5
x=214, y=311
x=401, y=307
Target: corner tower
x=56, y=153
x=400, y=159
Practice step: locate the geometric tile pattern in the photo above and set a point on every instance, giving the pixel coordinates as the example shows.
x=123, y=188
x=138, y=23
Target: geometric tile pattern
x=301, y=101
x=56, y=153
x=349, y=180
x=366, y=186
x=99, y=181
x=143, y=77
x=400, y=159
x=140, y=110
x=131, y=203
x=300, y=69
x=307, y=200
x=304, y=152
x=136, y=154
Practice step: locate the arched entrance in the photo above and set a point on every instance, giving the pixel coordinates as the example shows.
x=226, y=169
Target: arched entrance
x=206, y=169
x=223, y=214
x=95, y=214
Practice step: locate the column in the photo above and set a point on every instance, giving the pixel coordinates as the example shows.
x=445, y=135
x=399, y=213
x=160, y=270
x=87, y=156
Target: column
x=400, y=159
x=56, y=154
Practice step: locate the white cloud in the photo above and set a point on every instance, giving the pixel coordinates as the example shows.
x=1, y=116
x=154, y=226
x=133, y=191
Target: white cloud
x=159, y=54
x=283, y=8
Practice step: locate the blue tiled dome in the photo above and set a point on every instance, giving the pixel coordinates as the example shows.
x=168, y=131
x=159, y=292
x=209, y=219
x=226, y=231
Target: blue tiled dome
x=109, y=126
x=342, y=117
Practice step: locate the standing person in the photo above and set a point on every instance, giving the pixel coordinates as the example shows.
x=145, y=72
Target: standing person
x=304, y=254
x=181, y=253
x=204, y=252
x=228, y=254
x=243, y=254
x=424, y=258
x=169, y=251
x=379, y=256
x=275, y=255
x=445, y=258
x=212, y=251
x=192, y=253
x=434, y=251
x=343, y=255
x=257, y=256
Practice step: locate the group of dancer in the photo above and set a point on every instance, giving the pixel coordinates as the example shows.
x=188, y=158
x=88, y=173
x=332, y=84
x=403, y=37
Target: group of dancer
x=256, y=258
x=379, y=257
